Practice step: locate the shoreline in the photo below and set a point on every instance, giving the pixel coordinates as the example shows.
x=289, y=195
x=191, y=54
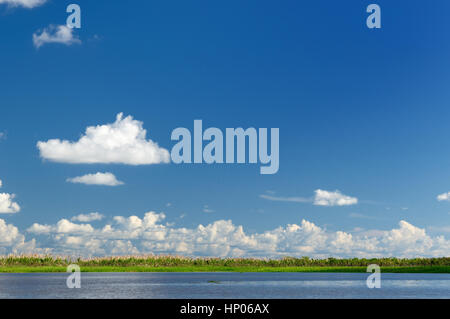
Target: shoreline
x=200, y=269
x=49, y=263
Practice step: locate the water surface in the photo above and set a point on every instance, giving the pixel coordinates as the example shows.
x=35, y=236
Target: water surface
x=224, y=285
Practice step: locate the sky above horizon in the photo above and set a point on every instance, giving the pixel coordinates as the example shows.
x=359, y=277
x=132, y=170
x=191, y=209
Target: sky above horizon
x=87, y=116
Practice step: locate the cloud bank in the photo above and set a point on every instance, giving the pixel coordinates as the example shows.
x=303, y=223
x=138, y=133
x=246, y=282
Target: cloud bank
x=121, y=142
x=105, y=179
x=55, y=34
x=12, y=241
x=150, y=235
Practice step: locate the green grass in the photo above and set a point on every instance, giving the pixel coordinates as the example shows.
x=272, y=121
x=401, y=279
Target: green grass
x=45, y=264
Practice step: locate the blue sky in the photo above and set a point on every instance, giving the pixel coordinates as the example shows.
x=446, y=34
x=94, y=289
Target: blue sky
x=361, y=111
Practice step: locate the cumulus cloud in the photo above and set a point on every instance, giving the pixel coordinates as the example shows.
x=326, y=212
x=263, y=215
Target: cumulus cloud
x=9, y=234
x=84, y=218
x=444, y=197
x=64, y=226
x=7, y=205
x=29, y=4
x=12, y=241
x=55, y=34
x=150, y=235
x=121, y=142
x=39, y=229
x=336, y=198
x=106, y=179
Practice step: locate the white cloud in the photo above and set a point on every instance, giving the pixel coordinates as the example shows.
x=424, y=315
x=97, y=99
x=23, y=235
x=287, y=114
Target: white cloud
x=121, y=142
x=29, y=4
x=84, y=218
x=147, y=235
x=64, y=226
x=55, y=34
x=336, y=198
x=9, y=234
x=321, y=198
x=442, y=197
x=39, y=229
x=106, y=179
x=7, y=205
x=12, y=241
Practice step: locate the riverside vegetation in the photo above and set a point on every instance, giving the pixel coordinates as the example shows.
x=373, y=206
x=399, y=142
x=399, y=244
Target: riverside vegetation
x=48, y=263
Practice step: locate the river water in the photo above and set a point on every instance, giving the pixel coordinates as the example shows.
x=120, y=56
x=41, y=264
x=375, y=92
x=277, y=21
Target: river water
x=224, y=285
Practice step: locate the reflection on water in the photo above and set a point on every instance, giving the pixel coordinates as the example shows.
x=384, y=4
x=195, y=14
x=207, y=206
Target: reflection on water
x=224, y=285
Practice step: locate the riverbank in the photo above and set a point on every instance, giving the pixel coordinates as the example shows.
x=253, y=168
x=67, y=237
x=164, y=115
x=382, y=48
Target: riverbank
x=47, y=264
x=56, y=269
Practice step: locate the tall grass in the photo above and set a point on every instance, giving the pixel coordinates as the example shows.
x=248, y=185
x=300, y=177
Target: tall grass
x=179, y=261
